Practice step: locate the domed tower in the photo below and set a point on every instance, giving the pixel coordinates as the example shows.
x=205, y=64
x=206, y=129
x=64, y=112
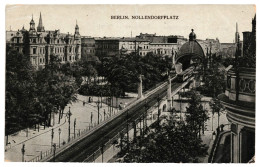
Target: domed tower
x=77, y=39
x=192, y=36
x=32, y=25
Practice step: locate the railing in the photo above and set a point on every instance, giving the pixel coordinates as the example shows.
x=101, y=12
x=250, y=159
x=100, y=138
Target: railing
x=215, y=144
x=47, y=155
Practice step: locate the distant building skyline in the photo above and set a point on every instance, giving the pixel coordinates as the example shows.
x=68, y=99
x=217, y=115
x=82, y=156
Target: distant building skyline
x=95, y=20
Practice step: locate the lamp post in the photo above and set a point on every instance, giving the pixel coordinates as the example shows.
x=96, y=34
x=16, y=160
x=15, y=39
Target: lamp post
x=54, y=150
x=69, y=115
x=74, y=128
x=98, y=102
x=127, y=129
x=158, y=100
x=23, y=151
x=59, y=136
x=52, y=135
x=91, y=118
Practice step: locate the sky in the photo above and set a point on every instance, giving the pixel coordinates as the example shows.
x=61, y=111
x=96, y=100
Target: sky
x=208, y=21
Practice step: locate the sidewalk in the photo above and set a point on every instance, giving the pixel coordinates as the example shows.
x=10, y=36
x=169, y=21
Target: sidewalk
x=39, y=142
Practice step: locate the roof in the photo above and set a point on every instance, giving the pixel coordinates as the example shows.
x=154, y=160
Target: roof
x=191, y=48
x=122, y=39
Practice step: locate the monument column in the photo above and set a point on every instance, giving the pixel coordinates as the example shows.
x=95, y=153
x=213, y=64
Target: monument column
x=140, y=88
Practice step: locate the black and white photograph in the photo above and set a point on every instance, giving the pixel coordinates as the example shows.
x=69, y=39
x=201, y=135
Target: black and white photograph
x=130, y=83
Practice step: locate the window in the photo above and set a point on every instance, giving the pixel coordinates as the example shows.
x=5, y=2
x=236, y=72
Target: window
x=40, y=60
x=70, y=57
x=34, y=50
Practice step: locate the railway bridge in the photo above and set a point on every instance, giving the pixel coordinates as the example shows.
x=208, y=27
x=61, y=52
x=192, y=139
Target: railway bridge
x=90, y=144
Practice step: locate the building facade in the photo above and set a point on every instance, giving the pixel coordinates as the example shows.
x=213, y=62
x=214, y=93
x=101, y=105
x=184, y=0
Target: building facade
x=109, y=47
x=239, y=101
x=88, y=48
x=39, y=44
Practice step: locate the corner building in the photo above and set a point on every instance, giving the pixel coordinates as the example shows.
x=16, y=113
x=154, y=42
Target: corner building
x=239, y=101
x=39, y=44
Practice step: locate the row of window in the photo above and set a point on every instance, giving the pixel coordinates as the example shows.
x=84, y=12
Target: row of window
x=89, y=50
x=17, y=40
x=42, y=60
x=163, y=52
x=56, y=50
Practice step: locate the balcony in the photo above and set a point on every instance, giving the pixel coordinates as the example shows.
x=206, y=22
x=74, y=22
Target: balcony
x=240, y=106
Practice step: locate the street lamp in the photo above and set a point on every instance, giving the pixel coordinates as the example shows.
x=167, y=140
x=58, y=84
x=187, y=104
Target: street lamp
x=69, y=115
x=54, y=150
x=98, y=102
x=23, y=151
x=52, y=135
x=74, y=128
x=91, y=118
x=59, y=136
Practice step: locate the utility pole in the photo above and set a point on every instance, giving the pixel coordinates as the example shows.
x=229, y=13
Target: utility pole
x=52, y=135
x=54, y=150
x=59, y=136
x=146, y=111
x=23, y=151
x=102, y=152
x=74, y=128
x=134, y=125
x=91, y=118
x=98, y=102
x=180, y=105
x=127, y=129
x=141, y=132
x=69, y=115
x=158, y=100
x=121, y=141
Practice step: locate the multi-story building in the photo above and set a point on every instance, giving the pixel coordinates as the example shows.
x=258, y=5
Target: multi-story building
x=107, y=47
x=88, y=48
x=39, y=44
x=239, y=101
x=210, y=46
x=163, y=45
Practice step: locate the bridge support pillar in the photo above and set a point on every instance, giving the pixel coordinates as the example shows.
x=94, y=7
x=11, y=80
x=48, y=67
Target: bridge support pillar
x=140, y=88
x=169, y=95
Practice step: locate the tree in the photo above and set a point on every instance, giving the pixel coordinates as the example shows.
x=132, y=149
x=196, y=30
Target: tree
x=216, y=107
x=196, y=116
x=173, y=142
x=214, y=82
x=20, y=91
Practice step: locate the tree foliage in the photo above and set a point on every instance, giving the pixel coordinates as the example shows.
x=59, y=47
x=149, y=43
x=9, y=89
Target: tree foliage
x=32, y=96
x=173, y=142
